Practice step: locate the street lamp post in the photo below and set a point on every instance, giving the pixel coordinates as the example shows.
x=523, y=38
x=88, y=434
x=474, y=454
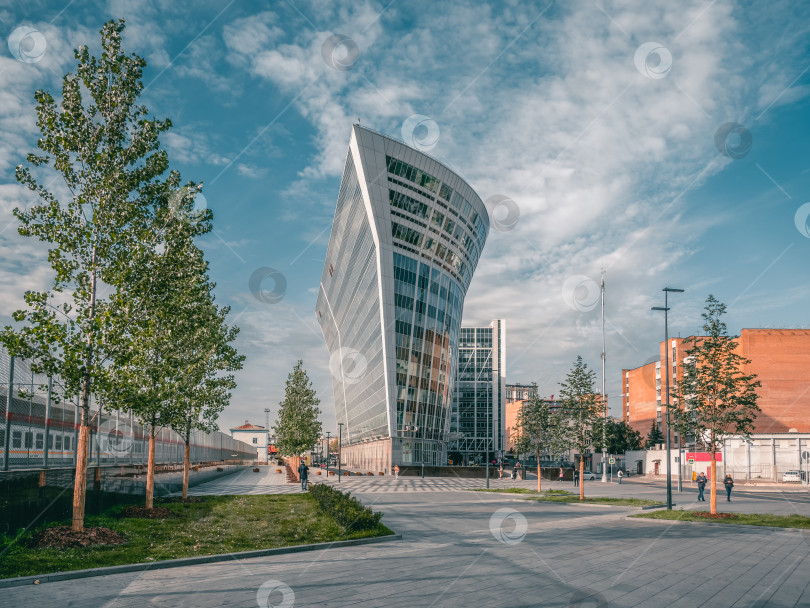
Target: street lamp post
x=666, y=291
x=340, y=447
x=327, y=453
x=604, y=396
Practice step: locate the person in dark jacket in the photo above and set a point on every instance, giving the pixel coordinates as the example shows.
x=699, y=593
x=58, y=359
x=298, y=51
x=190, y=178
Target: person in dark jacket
x=303, y=471
x=701, y=484
x=729, y=483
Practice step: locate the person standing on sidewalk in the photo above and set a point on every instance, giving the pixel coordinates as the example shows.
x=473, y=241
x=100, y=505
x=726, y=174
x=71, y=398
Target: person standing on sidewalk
x=729, y=483
x=396, y=471
x=303, y=472
x=620, y=475
x=518, y=470
x=701, y=484
x=561, y=474
x=576, y=478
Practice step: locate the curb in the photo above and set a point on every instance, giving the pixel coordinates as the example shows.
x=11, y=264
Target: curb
x=187, y=561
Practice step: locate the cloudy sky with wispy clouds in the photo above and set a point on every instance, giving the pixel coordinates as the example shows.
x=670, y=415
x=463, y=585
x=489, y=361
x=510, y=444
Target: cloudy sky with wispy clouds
x=664, y=143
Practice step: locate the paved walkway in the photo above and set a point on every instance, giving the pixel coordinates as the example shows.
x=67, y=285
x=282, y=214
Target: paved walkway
x=476, y=549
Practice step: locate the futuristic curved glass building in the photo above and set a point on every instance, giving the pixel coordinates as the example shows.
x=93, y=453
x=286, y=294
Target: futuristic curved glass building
x=406, y=238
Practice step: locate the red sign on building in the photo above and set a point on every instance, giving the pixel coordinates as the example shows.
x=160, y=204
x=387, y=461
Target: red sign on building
x=704, y=456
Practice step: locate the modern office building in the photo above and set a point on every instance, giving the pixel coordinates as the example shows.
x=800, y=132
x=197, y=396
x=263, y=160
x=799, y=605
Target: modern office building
x=779, y=357
x=406, y=237
x=479, y=405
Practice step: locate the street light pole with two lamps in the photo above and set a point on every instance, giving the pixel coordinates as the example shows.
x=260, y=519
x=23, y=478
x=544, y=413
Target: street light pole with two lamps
x=667, y=291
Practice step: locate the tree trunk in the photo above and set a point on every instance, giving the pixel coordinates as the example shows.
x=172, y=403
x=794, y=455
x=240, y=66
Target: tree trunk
x=581, y=478
x=713, y=502
x=80, y=481
x=539, y=472
x=186, y=465
x=150, y=470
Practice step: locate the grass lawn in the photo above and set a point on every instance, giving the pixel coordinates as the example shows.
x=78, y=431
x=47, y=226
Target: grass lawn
x=745, y=519
x=218, y=524
x=563, y=496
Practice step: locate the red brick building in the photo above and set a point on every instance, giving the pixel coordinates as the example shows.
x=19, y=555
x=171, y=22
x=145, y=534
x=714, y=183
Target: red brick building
x=779, y=357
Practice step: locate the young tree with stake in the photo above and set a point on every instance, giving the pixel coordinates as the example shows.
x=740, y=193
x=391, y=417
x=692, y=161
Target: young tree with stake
x=581, y=411
x=105, y=148
x=717, y=396
x=538, y=431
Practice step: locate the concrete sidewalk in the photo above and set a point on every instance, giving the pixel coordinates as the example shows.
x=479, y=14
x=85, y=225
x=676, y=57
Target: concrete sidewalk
x=479, y=549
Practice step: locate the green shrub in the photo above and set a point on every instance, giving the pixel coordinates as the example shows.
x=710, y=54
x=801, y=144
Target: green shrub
x=344, y=508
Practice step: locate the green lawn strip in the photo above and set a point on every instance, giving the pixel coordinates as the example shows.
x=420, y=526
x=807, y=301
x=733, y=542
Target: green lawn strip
x=219, y=524
x=563, y=496
x=744, y=519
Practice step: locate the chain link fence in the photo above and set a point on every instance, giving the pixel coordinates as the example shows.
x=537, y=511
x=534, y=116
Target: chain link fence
x=39, y=429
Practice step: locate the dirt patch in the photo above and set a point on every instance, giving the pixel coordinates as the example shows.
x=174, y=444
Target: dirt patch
x=714, y=515
x=61, y=537
x=144, y=513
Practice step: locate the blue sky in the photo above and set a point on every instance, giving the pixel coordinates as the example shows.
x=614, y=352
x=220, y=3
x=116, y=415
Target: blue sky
x=598, y=119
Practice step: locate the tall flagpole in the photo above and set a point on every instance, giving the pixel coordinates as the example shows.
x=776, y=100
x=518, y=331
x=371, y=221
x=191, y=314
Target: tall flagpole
x=604, y=396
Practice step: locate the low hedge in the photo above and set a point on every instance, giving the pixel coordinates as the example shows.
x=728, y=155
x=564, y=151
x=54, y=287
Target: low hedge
x=344, y=508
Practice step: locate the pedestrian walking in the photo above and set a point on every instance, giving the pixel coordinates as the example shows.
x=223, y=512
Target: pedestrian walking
x=729, y=483
x=500, y=471
x=620, y=475
x=519, y=471
x=396, y=471
x=303, y=472
x=576, y=478
x=701, y=483
x=561, y=474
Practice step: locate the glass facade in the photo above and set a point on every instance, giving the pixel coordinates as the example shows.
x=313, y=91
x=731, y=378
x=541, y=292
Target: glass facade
x=479, y=405
x=406, y=238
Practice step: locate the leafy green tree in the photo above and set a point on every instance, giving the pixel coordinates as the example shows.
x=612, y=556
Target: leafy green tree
x=106, y=150
x=298, y=427
x=538, y=430
x=716, y=397
x=172, y=378
x=620, y=436
x=655, y=436
x=581, y=409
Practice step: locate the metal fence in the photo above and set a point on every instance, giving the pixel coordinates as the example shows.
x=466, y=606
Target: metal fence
x=41, y=429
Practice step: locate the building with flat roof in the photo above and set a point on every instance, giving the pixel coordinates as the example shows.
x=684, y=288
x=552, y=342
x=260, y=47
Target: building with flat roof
x=479, y=406
x=779, y=357
x=406, y=237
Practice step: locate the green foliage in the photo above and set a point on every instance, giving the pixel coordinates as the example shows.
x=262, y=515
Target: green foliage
x=655, y=436
x=344, y=508
x=538, y=430
x=620, y=436
x=106, y=150
x=581, y=408
x=298, y=427
x=717, y=396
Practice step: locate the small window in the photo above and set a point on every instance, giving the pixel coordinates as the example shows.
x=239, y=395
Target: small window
x=16, y=439
x=29, y=439
x=40, y=441
x=67, y=442
x=58, y=441
x=255, y=440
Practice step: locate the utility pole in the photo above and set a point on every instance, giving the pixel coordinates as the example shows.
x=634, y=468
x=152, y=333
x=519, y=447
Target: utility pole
x=340, y=447
x=604, y=396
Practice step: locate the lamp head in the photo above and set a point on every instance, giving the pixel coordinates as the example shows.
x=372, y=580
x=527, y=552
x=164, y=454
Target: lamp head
x=672, y=289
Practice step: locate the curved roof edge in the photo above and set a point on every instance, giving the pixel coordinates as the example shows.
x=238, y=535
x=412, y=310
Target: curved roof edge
x=483, y=211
